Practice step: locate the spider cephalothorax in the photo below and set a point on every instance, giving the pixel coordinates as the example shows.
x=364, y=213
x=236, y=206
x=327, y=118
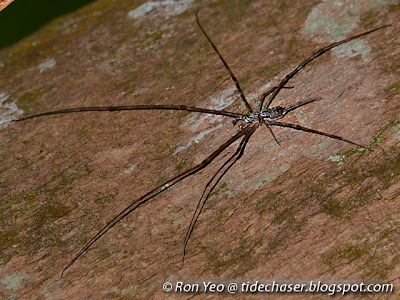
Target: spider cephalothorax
x=270, y=114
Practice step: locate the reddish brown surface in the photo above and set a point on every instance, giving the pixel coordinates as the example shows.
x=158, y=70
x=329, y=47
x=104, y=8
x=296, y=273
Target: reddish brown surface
x=5, y=3
x=283, y=213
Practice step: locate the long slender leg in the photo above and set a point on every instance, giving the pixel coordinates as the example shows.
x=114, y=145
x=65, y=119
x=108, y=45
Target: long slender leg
x=302, y=128
x=193, y=220
x=267, y=93
x=226, y=65
x=310, y=59
x=156, y=191
x=239, y=152
x=270, y=130
x=294, y=106
x=134, y=107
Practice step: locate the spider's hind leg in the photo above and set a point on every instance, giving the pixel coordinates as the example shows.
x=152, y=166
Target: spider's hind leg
x=302, y=128
x=308, y=60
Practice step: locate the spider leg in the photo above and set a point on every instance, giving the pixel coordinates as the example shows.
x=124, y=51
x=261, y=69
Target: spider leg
x=134, y=107
x=311, y=58
x=154, y=192
x=200, y=205
x=242, y=96
x=270, y=130
x=302, y=128
x=267, y=93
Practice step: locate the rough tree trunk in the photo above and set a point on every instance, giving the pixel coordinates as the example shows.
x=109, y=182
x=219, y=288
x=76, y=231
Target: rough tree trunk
x=312, y=208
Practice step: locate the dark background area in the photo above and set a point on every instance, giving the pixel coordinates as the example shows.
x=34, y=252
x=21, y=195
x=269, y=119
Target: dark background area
x=22, y=17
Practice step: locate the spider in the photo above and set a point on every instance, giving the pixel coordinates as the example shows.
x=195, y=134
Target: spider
x=247, y=123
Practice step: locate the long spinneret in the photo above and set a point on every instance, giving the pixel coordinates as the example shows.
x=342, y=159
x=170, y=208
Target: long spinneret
x=249, y=123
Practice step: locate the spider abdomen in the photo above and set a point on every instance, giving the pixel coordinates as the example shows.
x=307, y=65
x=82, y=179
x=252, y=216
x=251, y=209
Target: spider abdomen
x=273, y=113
